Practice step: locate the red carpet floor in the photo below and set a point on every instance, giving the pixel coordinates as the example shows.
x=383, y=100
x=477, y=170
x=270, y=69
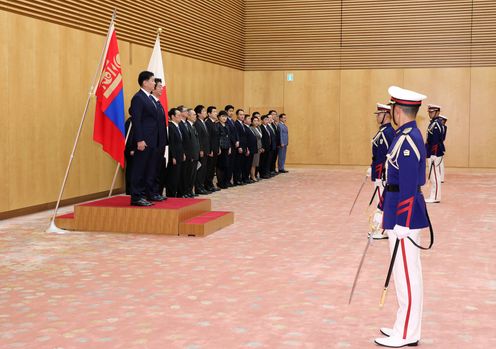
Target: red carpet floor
x=278, y=278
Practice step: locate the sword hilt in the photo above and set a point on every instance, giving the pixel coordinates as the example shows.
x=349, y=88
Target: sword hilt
x=383, y=297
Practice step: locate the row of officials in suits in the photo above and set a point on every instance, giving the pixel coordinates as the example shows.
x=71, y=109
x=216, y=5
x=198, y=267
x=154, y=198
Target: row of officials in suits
x=200, y=151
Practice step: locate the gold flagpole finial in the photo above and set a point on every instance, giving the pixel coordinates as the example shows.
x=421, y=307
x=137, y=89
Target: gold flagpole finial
x=159, y=30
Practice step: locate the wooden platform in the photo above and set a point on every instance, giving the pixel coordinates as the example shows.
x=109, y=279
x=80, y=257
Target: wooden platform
x=175, y=216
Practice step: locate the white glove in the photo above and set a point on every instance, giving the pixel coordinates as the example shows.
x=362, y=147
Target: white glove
x=377, y=220
x=378, y=183
x=369, y=172
x=433, y=157
x=401, y=231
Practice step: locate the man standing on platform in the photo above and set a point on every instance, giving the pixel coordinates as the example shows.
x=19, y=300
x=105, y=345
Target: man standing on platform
x=162, y=142
x=283, y=141
x=204, y=140
x=176, y=153
x=195, y=152
x=186, y=168
x=435, y=151
x=404, y=216
x=380, y=145
x=144, y=115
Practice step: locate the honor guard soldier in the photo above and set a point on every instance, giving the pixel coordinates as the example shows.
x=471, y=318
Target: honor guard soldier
x=380, y=145
x=404, y=216
x=444, y=120
x=435, y=151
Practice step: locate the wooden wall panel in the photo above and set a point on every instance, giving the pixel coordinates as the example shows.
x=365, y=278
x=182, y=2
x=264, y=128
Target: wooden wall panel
x=311, y=102
x=4, y=116
x=50, y=68
x=482, y=130
x=364, y=34
x=264, y=89
x=211, y=31
x=359, y=93
x=450, y=88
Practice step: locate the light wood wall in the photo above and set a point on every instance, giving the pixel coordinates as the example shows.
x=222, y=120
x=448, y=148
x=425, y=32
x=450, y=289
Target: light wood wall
x=46, y=71
x=364, y=34
x=211, y=31
x=330, y=111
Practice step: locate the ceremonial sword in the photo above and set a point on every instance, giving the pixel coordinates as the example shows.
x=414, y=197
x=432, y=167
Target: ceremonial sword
x=358, y=194
x=360, y=266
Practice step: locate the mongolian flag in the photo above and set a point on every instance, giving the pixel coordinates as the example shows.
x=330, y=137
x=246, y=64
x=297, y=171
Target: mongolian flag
x=109, y=112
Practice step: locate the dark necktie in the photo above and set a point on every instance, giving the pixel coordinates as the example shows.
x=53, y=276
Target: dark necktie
x=153, y=101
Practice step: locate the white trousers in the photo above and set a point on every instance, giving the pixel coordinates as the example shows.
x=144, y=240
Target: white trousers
x=407, y=273
x=435, y=177
x=441, y=169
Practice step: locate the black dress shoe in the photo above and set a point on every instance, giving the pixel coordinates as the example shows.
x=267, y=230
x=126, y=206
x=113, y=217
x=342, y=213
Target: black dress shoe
x=264, y=177
x=141, y=202
x=283, y=171
x=222, y=186
x=156, y=197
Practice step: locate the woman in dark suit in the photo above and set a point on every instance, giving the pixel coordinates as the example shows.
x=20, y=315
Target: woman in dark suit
x=225, y=151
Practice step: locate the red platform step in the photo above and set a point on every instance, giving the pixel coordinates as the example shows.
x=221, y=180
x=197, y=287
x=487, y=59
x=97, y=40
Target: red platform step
x=206, y=223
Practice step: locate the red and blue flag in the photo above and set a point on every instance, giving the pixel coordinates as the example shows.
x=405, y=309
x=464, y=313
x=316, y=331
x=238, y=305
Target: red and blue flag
x=109, y=112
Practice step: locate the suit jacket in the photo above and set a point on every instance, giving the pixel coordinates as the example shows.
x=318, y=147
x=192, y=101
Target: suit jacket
x=251, y=140
x=266, y=138
x=273, y=137
x=277, y=131
x=240, y=128
x=176, y=149
x=203, y=136
x=283, y=134
x=145, y=119
x=187, y=141
x=195, y=142
x=233, y=132
x=162, y=128
x=213, y=132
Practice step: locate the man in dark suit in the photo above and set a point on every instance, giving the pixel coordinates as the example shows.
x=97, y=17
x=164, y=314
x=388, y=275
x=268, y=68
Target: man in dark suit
x=251, y=149
x=273, y=124
x=204, y=140
x=145, y=124
x=266, y=145
x=240, y=155
x=234, y=138
x=213, y=132
x=185, y=168
x=129, y=153
x=162, y=141
x=176, y=153
x=193, y=153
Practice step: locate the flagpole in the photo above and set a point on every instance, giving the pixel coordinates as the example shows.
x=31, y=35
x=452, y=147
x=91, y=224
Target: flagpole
x=117, y=167
x=53, y=227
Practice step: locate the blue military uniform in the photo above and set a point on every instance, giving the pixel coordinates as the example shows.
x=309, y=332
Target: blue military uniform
x=435, y=151
x=380, y=145
x=403, y=218
x=405, y=207
x=435, y=138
